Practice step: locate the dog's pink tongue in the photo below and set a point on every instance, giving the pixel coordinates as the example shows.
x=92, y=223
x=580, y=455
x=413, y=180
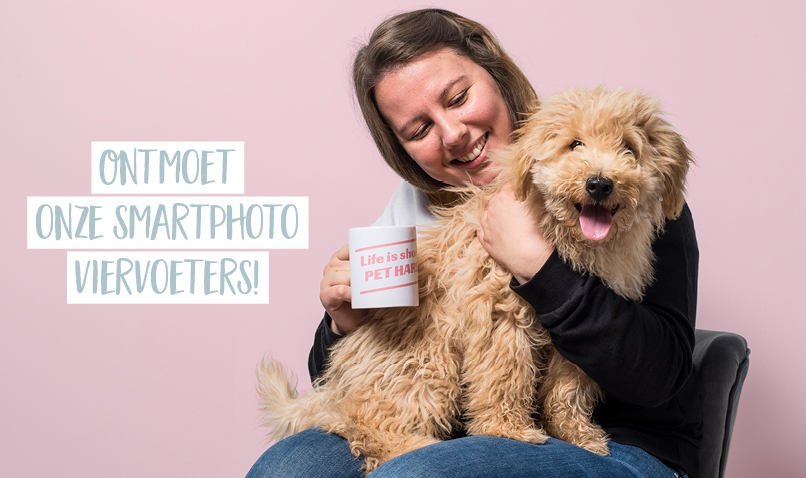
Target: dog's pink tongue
x=595, y=221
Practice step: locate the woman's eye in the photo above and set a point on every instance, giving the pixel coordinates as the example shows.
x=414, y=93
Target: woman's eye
x=575, y=143
x=458, y=99
x=420, y=132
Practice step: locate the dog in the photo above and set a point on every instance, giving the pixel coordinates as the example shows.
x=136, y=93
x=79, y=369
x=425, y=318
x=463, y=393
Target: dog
x=600, y=171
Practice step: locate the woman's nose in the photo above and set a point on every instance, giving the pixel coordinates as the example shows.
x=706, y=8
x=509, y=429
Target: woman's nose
x=453, y=132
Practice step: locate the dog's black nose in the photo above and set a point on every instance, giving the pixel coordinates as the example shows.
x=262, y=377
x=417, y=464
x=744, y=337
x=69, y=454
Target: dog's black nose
x=599, y=188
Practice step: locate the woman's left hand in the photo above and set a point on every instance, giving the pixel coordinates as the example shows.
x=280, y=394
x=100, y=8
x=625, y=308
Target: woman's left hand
x=510, y=235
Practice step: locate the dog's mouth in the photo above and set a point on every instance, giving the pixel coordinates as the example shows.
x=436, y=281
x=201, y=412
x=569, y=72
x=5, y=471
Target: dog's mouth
x=595, y=219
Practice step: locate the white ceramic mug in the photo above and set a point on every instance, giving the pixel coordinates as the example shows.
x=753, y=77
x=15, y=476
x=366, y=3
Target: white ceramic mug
x=383, y=267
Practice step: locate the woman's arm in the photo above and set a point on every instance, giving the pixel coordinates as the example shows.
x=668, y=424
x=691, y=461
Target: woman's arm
x=334, y=293
x=340, y=318
x=637, y=352
x=323, y=340
x=407, y=206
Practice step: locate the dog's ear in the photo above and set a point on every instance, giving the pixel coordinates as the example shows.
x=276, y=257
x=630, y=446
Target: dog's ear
x=672, y=161
x=518, y=158
x=520, y=171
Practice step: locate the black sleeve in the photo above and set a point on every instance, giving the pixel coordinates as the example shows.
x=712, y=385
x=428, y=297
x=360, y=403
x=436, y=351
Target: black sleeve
x=638, y=352
x=323, y=340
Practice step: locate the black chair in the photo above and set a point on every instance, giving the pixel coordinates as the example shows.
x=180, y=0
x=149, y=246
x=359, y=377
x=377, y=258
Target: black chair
x=720, y=362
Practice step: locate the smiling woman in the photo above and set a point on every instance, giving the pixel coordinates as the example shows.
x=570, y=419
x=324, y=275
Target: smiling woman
x=404, y=40
x=448, y=113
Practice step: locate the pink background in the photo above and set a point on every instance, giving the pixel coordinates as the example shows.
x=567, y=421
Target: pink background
x=132, y=391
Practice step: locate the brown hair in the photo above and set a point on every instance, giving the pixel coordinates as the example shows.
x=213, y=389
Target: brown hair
x=404, y=37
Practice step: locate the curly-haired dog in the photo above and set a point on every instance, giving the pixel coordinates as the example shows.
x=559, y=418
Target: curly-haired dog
x=601, y=171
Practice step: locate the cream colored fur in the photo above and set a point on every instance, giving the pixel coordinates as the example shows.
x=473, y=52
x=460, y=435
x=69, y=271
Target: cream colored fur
x=473, y=354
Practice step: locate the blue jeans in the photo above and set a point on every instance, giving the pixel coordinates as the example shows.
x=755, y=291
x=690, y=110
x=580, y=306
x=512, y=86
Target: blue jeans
x=316, y=454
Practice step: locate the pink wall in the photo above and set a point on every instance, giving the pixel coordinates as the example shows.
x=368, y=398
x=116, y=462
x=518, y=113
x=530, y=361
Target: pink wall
x=144, y=390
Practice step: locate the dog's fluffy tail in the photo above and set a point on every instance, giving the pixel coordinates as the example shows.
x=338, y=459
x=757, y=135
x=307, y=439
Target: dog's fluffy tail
x=284, y=410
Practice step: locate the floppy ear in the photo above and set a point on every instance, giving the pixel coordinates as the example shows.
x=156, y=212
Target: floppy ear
x=672, y=161
x=520, y=173
x=516, y=161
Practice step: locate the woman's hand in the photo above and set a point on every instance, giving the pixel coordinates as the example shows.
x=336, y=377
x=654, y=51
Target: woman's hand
x=334, y=293
x=510, y=235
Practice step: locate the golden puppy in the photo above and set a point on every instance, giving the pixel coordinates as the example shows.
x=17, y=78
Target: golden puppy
x=601, y=171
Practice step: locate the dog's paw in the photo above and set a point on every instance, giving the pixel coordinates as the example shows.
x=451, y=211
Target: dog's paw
x=598, y=447
x=529, y=434
x=583, y=434
x=595, y=441
x=533, y=435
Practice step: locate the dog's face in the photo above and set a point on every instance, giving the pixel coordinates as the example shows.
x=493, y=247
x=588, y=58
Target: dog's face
x=600, y=161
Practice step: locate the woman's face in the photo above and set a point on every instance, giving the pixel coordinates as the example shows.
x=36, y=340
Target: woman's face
x=448, y=114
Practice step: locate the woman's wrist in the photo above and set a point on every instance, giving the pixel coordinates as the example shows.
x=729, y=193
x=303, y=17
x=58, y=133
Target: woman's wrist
x=334, y=327
x=551, y=287
x=346, y=319
x=525, y=270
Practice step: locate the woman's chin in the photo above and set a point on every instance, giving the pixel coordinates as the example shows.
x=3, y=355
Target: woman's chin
x=485, y=175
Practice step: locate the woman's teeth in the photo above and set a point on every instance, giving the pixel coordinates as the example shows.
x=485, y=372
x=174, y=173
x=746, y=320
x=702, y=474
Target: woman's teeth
x=476, y=151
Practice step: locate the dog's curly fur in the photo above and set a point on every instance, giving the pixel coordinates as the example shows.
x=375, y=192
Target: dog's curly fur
x=473, y=355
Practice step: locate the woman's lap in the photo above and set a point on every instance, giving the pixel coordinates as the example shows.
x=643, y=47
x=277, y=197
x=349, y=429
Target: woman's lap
x=316, y=454
x=484, y=456
x=309, y=454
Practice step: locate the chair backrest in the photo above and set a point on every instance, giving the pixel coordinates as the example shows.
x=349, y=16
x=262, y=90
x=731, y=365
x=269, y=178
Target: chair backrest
x=720, y=362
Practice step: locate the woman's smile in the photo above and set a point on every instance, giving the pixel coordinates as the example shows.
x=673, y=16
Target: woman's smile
x=477, y=148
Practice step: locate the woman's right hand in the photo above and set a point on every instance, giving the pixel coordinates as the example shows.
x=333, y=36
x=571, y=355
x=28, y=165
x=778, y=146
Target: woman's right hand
x=334, y=293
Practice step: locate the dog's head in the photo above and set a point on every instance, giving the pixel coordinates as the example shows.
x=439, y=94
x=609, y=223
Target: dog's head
x=600, y=161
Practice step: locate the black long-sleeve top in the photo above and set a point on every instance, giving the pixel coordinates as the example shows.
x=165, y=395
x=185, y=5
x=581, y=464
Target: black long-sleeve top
x=640, y=353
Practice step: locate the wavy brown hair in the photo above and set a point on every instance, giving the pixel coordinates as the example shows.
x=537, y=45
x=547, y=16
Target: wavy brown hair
x=404, y=37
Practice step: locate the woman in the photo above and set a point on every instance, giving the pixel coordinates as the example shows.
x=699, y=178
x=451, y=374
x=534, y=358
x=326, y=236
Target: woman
x=438, y=94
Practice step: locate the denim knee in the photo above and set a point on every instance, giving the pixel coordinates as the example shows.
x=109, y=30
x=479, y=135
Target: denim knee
x=308, y=454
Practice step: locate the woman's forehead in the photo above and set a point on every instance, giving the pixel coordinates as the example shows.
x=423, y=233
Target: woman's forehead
x=429, y=63
x=427, y=79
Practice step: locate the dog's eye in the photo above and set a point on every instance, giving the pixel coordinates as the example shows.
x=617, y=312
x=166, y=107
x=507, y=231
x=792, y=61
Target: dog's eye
x=575, y=143
x=628, y=150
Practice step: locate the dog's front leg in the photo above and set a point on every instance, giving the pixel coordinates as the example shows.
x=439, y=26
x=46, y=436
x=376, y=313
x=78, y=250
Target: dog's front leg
x=500, y=379
x=567, y=398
